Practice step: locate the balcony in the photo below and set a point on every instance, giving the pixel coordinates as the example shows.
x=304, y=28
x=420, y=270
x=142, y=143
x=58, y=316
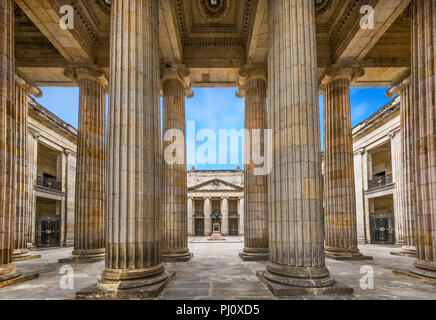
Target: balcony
x=48, y=183
x=380, y=182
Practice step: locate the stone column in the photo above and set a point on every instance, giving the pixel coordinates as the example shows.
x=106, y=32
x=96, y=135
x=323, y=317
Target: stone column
x=424, y=131
x=396, y=154
x=241, y=216
x=339, y=185
x=90, y=195
x=175, y=215
x=225, y=216
x=190, y=217
x=256, y=185
x=23, y=88
x=133, y=240
x=33, y=177
x=296, y=242
x=7, y=143
x=408, y=198
x=207, y=217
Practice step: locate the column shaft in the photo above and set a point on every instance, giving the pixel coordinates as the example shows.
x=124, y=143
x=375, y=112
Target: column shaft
x=339, y=188
x=424, y=109
x=207, y=217
x=22, y=209
x=225, y=216
x=7, y=140
x=241, y=215
x=256, y=186
x=408, y=194
x=90, y=196
x=296, y=241
x=133, y=240
x=190, y=217
x=175, y=215
x=396, y=153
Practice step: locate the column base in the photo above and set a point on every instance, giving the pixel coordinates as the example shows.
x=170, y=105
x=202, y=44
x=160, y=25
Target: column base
x=177, y=256
x=85, y=256
x=68, y=244
x=418, y=273
x=273, y=283
x=341, y=254
x=424, y=269
x=9, y=276
x=249, y=254
x=406, y=251
x=19, y=255
x=129, y=284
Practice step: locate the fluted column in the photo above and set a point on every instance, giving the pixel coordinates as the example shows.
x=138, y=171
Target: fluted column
x=397, y=179
x=7, y=143
x=191, y=227
x=408, y=196
x=207, y=217
x=175, y=215
x=23, y=88
x=339, y=188
x=225, y=216
x=296, y=242
x=241, y=215
x=256, y=186
x=90, y=196
x=133, y=241
x=424, y=131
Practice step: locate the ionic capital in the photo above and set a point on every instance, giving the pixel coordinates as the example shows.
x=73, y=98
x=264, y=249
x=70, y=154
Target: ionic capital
x=334, y=73
x=28, y=85
x=89, y=72
x=180, y=73
x=36, y=135
x=248, y=73
x=399, y=85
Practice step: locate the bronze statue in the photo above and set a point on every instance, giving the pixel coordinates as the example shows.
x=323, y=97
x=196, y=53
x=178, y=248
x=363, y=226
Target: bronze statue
x=216, y=216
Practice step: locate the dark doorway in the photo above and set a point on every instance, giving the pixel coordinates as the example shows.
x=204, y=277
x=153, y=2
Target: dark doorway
x=233, y=227
x=382, y=229
x=199, y=227
x=48, y=232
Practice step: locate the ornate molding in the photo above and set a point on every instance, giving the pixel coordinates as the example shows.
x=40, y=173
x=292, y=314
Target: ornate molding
x=399, y=84
x=322, y=6
x=214, y=10
x=90, y=72
x=180, y=73
x=28, y=85
x=335, y=72
x=247, y=73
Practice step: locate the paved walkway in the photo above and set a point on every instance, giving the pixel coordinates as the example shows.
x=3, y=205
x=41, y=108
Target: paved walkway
x=217, y=272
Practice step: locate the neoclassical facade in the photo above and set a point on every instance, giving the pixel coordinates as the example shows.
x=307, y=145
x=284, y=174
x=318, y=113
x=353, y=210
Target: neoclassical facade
x=210, y=191
x=378, y=177
x=51, y=148
x=288, y=50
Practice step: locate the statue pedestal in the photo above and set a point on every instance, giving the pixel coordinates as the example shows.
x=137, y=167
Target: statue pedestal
x=216, y=235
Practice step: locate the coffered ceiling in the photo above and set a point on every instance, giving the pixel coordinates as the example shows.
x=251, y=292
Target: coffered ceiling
x=213, y=37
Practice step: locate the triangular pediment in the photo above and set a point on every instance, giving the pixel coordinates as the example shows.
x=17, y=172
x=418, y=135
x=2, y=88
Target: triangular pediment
x=216, y=184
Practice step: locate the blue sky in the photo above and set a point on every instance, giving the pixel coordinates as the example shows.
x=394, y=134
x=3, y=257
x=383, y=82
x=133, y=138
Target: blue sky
x=215, y=109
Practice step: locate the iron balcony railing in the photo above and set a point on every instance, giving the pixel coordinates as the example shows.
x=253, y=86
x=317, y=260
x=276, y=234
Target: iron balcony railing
x=49, y=183
x=380, y=182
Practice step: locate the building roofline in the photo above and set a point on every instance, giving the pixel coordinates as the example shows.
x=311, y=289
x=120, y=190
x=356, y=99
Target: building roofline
x=374, y=119
x=48, y=118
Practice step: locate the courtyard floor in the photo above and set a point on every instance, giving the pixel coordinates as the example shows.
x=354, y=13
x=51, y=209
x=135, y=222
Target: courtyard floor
x=217, y=272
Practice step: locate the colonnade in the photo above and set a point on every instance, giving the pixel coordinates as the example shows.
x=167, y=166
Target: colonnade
x=140, y=199
x=207, y=214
